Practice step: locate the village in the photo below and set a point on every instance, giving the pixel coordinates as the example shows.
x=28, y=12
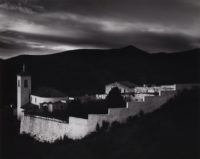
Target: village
x=49, y=115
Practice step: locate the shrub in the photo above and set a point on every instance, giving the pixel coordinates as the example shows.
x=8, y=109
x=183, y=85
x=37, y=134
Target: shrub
x=115, y=99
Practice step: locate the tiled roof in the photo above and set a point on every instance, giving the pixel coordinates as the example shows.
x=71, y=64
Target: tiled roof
x=125, y=83
x=48, y=92
x=29, y=106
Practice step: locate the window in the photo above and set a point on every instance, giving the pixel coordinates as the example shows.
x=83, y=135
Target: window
x=25, y=83
x=18, y=83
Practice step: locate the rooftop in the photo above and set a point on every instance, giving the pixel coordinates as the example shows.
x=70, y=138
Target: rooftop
x=126, y=84
x=30, y=107
x=48, y=92
x=34, y=110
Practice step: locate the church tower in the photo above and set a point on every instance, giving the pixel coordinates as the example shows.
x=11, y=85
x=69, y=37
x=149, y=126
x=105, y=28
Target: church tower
x=23, y=91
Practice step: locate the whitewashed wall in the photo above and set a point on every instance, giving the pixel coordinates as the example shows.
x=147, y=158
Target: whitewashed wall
x=48, y=130
x=155, y=89
x=122, y=88
x=38, y=100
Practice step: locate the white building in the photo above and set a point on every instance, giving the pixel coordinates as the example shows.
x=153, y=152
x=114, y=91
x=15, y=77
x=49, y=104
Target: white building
x=46, y=95
x=41, y=97
x=154, y=89
x=124, y=86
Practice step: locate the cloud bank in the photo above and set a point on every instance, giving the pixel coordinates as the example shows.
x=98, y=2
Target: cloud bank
x=49, y=26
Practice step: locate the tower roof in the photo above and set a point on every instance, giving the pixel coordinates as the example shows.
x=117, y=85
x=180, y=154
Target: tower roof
x=23, y=72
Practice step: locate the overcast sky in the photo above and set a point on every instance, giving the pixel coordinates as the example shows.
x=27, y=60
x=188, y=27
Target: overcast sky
x=50, y=26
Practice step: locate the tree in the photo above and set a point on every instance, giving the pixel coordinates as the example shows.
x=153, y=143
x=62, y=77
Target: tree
x=115, y=99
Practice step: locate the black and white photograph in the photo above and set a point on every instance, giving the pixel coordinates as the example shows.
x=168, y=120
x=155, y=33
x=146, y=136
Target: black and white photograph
x=100, y=79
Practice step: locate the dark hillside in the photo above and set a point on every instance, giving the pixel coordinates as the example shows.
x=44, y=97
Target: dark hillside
x=86, y=71
x=171, y=132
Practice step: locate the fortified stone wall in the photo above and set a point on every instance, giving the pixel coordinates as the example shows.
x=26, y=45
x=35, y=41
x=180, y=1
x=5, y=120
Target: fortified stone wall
x=49, y=130
x=133, y=108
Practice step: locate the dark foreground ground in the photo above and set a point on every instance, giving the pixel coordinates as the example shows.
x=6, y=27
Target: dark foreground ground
x=171, y=132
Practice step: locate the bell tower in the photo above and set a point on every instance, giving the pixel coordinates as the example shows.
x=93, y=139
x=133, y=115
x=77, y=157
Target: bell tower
x=23, y=91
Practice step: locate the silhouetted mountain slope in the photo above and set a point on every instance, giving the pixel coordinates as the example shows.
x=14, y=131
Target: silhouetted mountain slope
x=84, y=70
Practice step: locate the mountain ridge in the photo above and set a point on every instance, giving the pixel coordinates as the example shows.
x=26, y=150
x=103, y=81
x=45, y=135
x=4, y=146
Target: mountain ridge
x=83, y=71
x=126, y=48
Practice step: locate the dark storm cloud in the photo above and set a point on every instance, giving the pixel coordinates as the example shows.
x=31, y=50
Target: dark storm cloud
x=13, y=43
x=131, y=10
x=151, y=41
x=168, y=12
x=100, y=39
x=179, y=12
x=152, y=25
x=166, y=42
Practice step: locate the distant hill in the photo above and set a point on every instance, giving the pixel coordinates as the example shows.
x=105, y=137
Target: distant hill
x=82, y=71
